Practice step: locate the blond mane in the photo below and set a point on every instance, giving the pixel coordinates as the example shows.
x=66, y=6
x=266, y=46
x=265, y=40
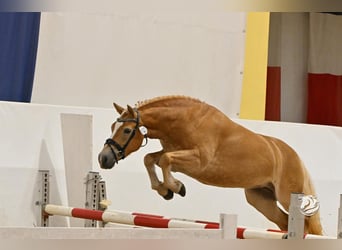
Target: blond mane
x=154, y=100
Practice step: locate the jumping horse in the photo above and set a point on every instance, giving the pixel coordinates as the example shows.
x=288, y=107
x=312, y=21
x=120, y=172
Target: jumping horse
x=200, y=141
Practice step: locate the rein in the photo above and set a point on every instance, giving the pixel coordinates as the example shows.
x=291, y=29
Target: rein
x=121, y=149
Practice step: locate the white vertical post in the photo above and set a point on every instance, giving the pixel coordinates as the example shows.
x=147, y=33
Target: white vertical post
x=92, y=195
x=77, y=135
x=102, y=197
x=339, y=227
x=44, y=192
x=228, y=225
x=296, y=217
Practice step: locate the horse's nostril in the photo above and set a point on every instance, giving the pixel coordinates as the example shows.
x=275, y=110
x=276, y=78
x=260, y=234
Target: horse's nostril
x=106, y=161
x=102, y=159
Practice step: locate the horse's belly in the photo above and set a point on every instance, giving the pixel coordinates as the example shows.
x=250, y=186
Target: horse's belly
x=237, y=177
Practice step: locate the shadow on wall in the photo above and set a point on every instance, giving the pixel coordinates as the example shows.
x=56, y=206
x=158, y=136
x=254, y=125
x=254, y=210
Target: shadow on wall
x=45, y=163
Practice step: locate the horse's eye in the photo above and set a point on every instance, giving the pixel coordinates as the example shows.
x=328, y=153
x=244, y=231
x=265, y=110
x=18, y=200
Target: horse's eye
x=127, y=130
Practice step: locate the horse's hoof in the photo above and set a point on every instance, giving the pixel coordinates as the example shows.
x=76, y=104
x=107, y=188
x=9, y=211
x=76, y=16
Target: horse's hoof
x=169, y=195
x=182, y=191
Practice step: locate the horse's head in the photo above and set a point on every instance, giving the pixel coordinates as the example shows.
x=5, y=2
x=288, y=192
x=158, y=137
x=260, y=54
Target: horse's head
x=127, y=137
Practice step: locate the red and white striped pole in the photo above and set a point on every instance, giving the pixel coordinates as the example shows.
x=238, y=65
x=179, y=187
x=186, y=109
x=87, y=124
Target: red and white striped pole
x=136, y=219
x=158, y=221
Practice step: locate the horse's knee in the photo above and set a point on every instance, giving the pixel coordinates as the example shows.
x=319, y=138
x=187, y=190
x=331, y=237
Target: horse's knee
x=149, y=160
x=164, y=161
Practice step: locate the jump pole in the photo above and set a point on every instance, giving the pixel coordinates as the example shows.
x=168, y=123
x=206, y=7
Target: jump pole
x=157, y=221
x=125, y=218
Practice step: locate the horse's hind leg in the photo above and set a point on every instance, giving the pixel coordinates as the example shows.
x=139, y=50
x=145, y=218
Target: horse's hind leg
x=312, y=224
x=264, y=200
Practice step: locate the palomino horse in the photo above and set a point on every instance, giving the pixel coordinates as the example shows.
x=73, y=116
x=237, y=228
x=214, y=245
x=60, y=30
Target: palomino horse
x=203, y=143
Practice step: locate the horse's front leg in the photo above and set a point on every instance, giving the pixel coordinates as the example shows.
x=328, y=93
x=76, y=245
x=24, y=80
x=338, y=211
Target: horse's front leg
x=179, y=161
x=150, y=161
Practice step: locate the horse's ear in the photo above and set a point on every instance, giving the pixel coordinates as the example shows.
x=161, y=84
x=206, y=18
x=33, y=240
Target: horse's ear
x=118, y=108
x=131, y=111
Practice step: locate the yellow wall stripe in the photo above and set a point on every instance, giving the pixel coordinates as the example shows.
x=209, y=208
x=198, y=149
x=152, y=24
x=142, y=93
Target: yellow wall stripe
x=255, y=66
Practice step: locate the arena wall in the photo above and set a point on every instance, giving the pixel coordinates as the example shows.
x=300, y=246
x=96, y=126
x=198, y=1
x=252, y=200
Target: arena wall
x=34, y=137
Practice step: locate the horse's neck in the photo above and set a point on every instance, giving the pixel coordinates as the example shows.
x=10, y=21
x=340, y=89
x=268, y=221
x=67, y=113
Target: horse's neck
x=155, y=119
x=159, y=120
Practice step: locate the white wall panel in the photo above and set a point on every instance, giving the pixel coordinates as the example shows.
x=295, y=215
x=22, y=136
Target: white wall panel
x=93, y=59
x=32, y=140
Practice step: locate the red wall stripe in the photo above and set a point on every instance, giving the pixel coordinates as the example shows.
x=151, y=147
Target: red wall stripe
x=273, y=92
x=324, y=99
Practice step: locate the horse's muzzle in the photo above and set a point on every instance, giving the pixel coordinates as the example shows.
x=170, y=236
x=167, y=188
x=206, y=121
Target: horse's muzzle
x=106, y=161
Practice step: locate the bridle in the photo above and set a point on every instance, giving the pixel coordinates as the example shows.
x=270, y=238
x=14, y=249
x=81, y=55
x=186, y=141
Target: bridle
x=121, y=149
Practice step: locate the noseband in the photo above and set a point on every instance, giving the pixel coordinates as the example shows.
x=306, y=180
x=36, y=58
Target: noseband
x=121, y=149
